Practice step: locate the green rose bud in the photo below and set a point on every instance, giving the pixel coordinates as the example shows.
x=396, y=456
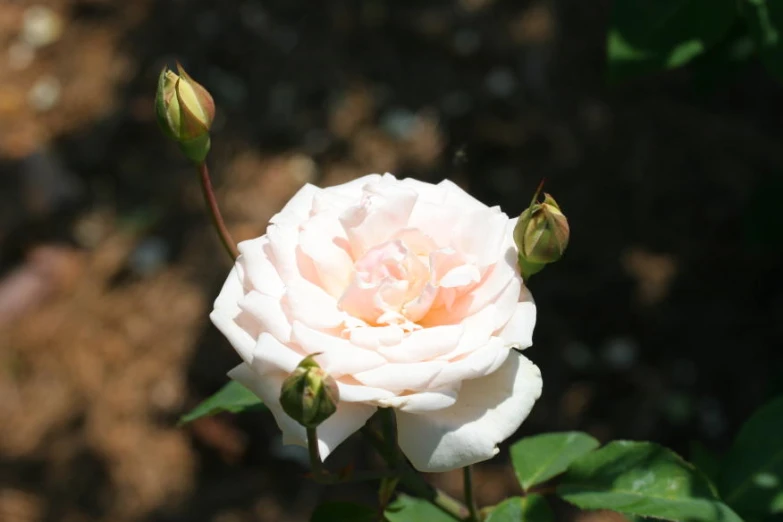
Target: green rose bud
x=309, y=395
x=185, y=112
x=541, y=235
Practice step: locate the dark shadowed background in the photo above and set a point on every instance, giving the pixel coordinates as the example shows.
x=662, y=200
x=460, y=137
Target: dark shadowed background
x=662, y=322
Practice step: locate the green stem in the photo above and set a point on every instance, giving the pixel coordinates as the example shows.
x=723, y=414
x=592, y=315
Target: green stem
x=414, y=482
x=315, y=454
x=214, y=212
x=389, y=435
x=467, y=474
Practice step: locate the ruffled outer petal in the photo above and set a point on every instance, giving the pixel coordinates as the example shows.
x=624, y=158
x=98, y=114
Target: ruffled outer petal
x=488, y=411
x=298, y=207
x=258, y=270
x=225, y=312
x=348, y=418
x=518, y=331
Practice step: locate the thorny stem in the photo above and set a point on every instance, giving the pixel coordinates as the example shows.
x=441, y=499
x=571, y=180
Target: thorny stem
x=467, y=475
x=214, y=212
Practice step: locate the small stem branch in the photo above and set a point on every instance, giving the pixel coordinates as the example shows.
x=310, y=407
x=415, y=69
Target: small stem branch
x=214, y=211
x=315, y=454
x=414, y=482
x=467, y=474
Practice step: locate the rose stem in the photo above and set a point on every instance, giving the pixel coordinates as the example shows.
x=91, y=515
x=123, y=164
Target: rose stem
x=315, y=454
x=467, y=473
x=415, y=482
x=389, y=431
x=214, y=211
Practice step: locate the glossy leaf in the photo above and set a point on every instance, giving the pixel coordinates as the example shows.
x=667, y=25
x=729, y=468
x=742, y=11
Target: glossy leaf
x=530, y=508
x=752, y=475
x=344, y=512
x=651, y=35
x=233, y=398
x=539, y=458
x=411, y=509
x=644, y=479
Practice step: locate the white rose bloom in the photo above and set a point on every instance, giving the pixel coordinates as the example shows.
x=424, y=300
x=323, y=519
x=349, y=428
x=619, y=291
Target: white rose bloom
x=411, y=293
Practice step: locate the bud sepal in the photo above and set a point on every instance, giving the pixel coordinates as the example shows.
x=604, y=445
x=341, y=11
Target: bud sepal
x=541, y=235
x=309, y=395
x=185, y=111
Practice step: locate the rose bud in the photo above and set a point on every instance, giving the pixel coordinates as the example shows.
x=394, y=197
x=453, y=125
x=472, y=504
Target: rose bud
x=541, y=235
x=185, y=111
x=309, y=395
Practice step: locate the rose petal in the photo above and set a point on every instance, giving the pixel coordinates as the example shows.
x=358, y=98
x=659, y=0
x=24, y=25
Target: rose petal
x=435, y=221
x=311, y=305
x=477, y=330
x=398, y=377
x=480, y=234
x=431, y=400
x=427, y=191
x=424, y=344
x=242, y=341
x=458, y=198
x=461, y=276
x=518, y=331
x=415, y=241
x=258, y=270
x=270, y=356
x=488, y=411
x=282, y=250
x=375, y=337
x=353, y=189
x=348, y=418
x=321, y=240
x=269, y=314
x=383, y=211
x=231, y=292
x=338, y=356
x=478, y=363
x=495, y=281
x=418, y=309
x=298, y=207
x=361, y=393
x=506, y=302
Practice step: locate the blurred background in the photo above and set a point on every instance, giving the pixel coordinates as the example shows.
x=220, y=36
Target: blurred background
x=662, y=322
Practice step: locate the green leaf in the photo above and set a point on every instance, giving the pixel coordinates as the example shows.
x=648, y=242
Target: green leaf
x=644, y=479
x=765, y=20
x=344, y=512
x=752, y=475
x=233, y=398
x=539, y=458
x=650, y=35
x=412, y=509
x=531, y=508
